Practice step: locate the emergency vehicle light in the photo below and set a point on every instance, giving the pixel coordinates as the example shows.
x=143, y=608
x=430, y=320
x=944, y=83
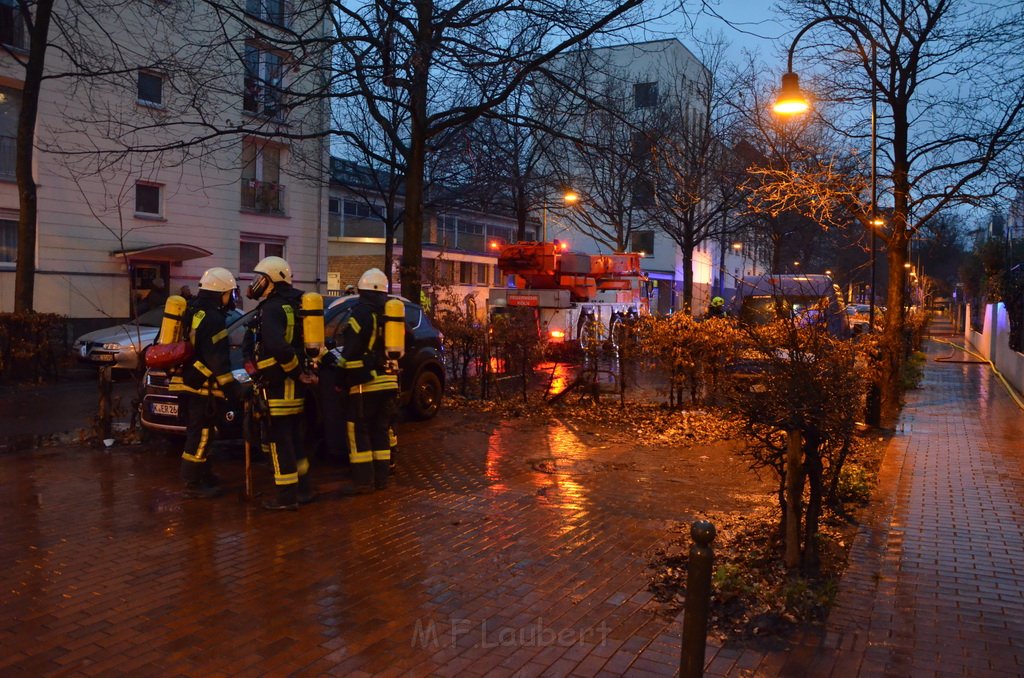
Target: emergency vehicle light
x=557, y=334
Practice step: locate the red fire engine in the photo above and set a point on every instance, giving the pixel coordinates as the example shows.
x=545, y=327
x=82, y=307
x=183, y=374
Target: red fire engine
x=572, y=292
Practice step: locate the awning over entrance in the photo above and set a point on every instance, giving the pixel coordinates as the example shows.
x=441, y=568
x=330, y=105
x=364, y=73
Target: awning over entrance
x=169, y=252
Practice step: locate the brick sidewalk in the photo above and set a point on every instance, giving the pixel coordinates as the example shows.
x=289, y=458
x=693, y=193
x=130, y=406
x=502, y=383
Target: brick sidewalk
x=516, y=549
x=936, y=582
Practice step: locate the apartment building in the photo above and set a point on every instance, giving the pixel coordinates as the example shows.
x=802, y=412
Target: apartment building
x=205, y=108
x=639, y=80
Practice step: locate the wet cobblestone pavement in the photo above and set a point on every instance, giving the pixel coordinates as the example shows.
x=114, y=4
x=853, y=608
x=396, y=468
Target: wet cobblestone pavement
x=501, y=549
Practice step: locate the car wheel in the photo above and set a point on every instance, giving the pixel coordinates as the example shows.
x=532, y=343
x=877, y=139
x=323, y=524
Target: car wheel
x=426, y=395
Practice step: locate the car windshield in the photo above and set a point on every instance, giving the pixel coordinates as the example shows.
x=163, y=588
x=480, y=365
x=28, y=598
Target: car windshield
x=761, y=310
x=151, y=318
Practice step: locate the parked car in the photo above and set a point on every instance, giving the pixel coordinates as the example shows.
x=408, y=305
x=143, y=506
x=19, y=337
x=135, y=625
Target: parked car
x=121, y=345
x=421, y=380
x=807, y=299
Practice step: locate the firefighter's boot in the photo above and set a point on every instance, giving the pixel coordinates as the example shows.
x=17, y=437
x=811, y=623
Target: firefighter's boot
x=286, y=499
x=381, y=470
x=305, y=494
x=196, y=486
x=362, y=479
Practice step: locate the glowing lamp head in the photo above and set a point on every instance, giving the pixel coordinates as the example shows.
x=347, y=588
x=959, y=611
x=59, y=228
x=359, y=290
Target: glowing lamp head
x=791, y=99
x=557, y=334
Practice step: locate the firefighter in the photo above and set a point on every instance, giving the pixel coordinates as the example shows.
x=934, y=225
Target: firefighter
x=371, y=386
x=717, y=308
x=278, y=349
x=202, y=384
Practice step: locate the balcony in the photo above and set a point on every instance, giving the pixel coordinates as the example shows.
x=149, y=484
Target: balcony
x=8, y=157
x=265, y=197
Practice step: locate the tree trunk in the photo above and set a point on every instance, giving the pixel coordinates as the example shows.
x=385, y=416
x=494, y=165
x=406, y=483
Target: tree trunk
x=687, y=276
x=25, y=274
x=811, y=561
x=794, y=492
x=419, y=129
x=892, y=341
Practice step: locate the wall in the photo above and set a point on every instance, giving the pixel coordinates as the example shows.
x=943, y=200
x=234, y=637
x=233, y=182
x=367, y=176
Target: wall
x=993, y=344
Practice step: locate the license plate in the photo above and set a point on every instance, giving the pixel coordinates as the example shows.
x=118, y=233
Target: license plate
x=169, y=409
x=104, y=357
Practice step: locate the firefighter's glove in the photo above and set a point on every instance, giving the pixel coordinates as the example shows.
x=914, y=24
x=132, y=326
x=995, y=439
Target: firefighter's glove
x=332, y=358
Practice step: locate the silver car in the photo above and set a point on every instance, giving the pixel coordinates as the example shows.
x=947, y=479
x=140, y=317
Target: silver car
x=121, y=345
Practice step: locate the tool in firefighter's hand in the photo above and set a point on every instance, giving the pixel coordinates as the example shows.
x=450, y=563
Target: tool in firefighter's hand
x=394, y=333
x=332, y=358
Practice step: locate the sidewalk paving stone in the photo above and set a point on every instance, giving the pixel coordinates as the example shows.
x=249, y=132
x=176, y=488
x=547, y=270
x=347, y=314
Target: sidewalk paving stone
x=475, y=561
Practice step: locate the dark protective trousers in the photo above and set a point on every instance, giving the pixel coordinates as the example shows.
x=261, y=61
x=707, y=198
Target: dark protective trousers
x=369, y=442
x=200, y=418
x=285, y=449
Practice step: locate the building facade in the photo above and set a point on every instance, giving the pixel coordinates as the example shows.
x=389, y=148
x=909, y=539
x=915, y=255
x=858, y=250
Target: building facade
x=459, y=245
x=184, y=159
x=640, y=82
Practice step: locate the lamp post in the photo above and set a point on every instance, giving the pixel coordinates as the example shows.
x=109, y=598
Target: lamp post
x=569, y=197
x=792, y=101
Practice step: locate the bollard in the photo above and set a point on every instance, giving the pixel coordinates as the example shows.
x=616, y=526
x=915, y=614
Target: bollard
x=698, y=600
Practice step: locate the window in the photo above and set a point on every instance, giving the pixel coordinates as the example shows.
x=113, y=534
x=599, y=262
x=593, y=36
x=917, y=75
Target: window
x=12, y=25
x=262, y=190
x=334, y=217
x=147, y=200
x=640, y=147
x=254, y=248
x=645, y=95
x=643, y=193
x=8, y=241
x=465, y=272
x=151, y=88
x=357, y=208
x=263, y=73
x=10, y=107
x=272, y=11
x=642, y=241
x=482, y=274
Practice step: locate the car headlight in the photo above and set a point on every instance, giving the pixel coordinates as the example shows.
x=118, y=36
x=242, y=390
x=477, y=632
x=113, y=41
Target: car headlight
x=112, y=347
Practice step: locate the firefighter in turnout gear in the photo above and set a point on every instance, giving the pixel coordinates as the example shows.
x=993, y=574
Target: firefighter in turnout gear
x=203, y=380
x=372, y=384
x=278, y=350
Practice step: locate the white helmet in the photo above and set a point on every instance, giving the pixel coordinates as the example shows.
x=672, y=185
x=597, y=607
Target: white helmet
x=373, y=280
x=275, y=268
x=217, y=279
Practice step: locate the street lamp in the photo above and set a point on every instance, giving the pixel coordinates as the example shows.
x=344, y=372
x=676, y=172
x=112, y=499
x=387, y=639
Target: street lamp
x=570, y=197
x=792, y=101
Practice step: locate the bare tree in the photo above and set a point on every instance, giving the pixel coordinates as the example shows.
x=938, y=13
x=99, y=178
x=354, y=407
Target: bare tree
x=951, y=120
x=447, y=66
x=697, y=178
x=603, y=154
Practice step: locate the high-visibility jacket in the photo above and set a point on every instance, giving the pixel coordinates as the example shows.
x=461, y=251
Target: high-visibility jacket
x=210, y=367
x=363, y=351
x=278, y=348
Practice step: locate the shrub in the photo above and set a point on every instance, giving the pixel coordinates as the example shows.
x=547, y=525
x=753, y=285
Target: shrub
x=31, y=345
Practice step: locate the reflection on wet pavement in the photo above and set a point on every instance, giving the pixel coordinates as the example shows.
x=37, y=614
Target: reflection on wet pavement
x=501, y=546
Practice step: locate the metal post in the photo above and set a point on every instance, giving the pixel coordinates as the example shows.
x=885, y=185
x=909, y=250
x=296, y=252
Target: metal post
x=698, y=600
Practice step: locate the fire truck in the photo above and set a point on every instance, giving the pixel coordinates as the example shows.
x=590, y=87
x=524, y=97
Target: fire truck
x=575, y=295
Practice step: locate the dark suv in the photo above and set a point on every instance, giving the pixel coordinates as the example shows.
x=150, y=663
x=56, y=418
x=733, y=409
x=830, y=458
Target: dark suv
x=421, y=380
